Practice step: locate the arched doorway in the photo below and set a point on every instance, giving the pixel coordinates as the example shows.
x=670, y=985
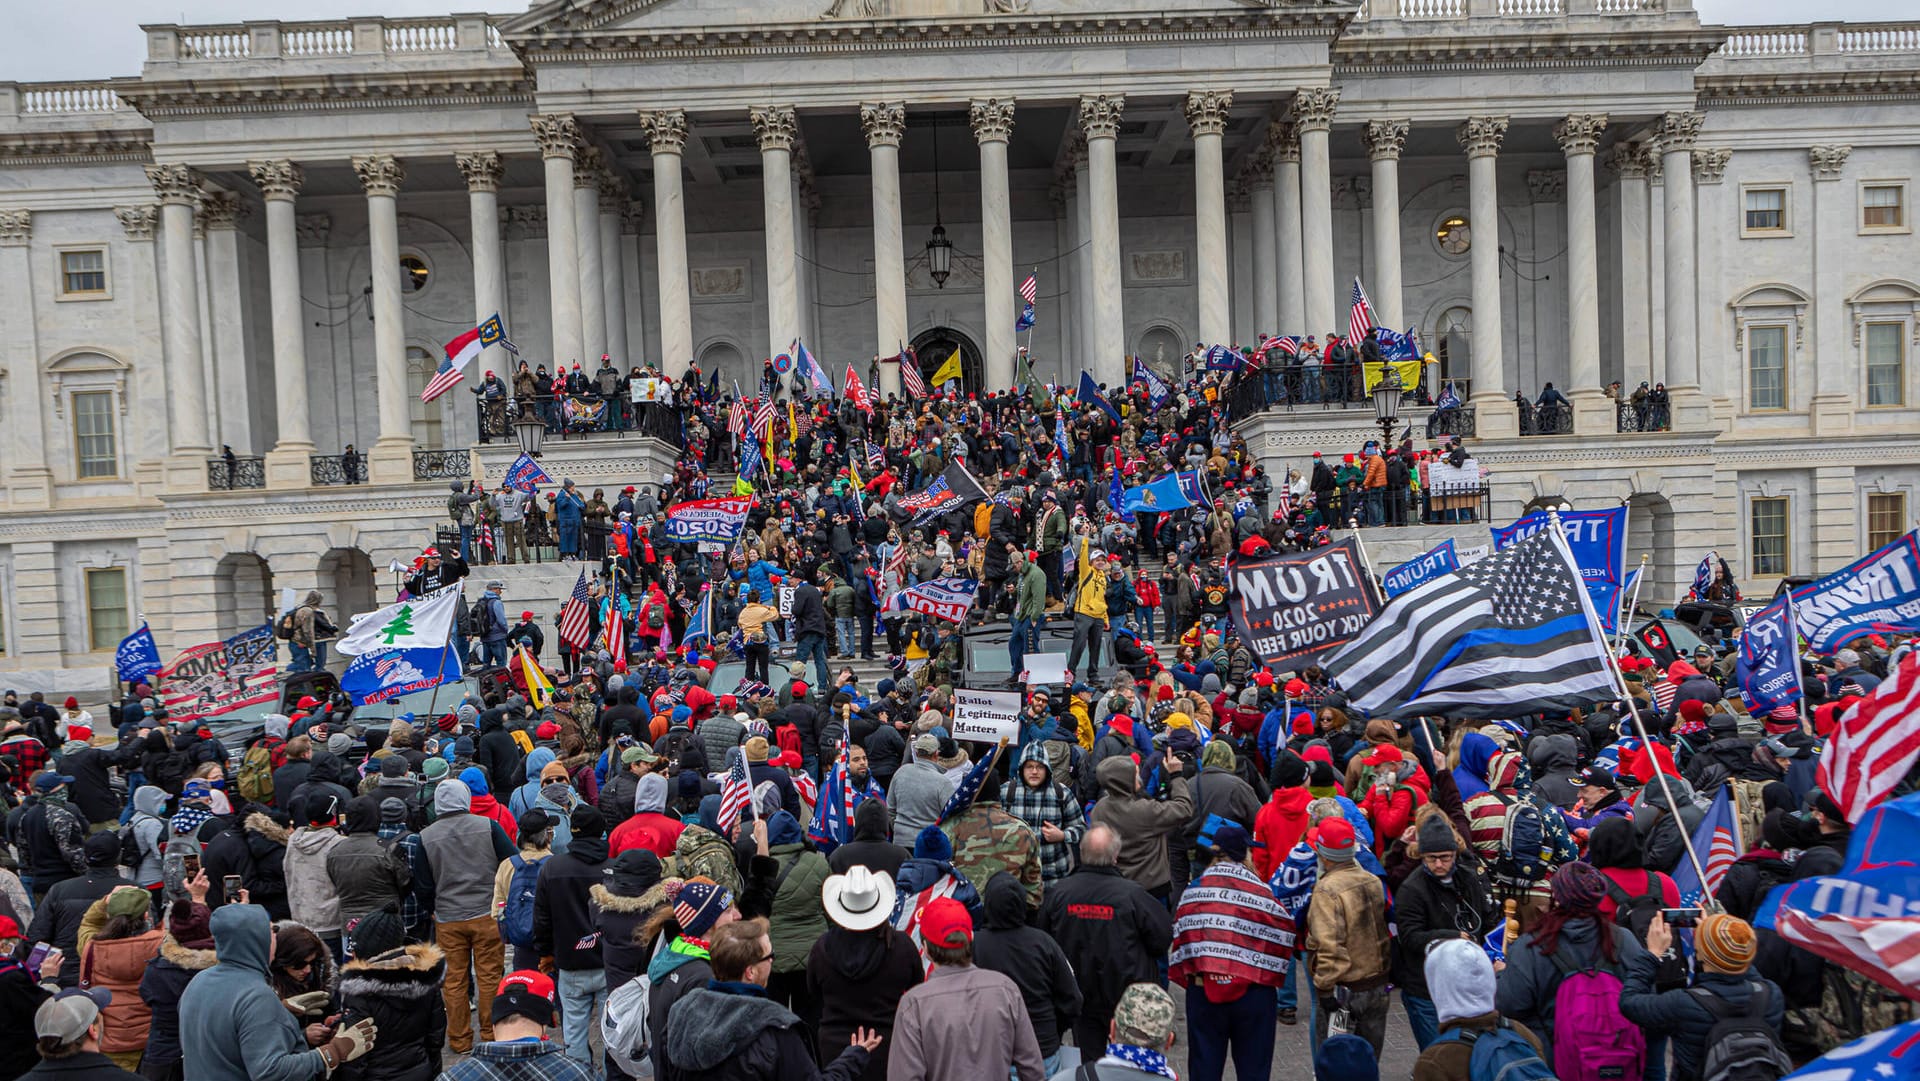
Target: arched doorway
x=1160, y=347
x=346, y=583
x=243, y=593
x=1650, y=529
x=725, y=357
x=1453, y=335
x=934, y=346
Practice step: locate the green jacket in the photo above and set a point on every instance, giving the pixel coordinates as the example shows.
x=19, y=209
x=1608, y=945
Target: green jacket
x=798, y=916
x=1053, y=531
x=840, y=600
x=1031, y=601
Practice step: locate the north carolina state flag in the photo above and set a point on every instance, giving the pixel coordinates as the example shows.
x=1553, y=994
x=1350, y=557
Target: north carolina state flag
x=857, y=392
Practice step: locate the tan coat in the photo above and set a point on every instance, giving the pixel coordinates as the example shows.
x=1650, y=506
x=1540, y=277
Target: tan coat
x=1347, y=929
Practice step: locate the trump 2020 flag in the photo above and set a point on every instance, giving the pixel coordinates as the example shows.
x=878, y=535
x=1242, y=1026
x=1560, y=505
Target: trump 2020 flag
x=421, y=623
x=1158, y=390
x=1703, y=576
x=390, y=673
x=1878, y=594
x=698, y=622
x=1090, y=393
x=832, y=824
x=1717, y=842
x=810, y=368
x=1862, y=917
x=718, y=521
x=1438, y=560
x=1769, y=666
x=942, y=598
x=137, y=656
x=525, y=475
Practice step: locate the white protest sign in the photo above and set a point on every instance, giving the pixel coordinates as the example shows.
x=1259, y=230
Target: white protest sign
x=1046, y=668
x=986, y=716
x=786, y=602
x=710, y=547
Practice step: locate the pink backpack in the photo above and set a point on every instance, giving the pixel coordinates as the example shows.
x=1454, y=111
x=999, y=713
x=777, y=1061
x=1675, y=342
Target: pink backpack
x=1591, y=1040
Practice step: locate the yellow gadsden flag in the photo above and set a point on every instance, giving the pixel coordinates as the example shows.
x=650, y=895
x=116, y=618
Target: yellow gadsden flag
x=949, y=369
x=539, y=688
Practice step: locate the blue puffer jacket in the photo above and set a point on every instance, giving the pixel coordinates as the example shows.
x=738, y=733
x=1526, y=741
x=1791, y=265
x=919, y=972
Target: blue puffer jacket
x=232, y=1026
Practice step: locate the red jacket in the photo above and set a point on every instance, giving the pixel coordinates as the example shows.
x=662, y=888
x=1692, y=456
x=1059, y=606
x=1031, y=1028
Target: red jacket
x=1279, y=825
x=655, y=832
x=1391, y=812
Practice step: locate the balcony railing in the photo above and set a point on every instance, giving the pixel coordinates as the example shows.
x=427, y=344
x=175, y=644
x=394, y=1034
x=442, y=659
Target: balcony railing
x=1458, y=421
x=1820, y=39
x=242, y=472
x=1553, y=418
x=1302, y=389
x=325, y=470
x=1643, y=417
x=323, y=39
x=69, y=99
x=442, y=464
x=616, y=417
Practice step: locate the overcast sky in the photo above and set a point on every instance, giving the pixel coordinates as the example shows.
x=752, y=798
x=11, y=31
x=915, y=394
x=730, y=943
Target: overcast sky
x=93, y=39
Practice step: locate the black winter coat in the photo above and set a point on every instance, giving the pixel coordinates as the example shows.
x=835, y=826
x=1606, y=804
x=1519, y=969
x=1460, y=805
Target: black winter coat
x=288, y=778
x=1111, y=929
x=562, y=917
x=254, y=849
x=400, y=990
x=858, y=978
x=19, y=998
x=1030, y=958
x=1427, y=910
x=161, y=986
x=752, y=1040
x=57, y=920
x=809, y=611
x=1681, y=1015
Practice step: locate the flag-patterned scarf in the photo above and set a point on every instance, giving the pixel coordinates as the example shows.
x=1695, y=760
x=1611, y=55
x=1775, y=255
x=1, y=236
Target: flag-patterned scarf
x=1228, y=926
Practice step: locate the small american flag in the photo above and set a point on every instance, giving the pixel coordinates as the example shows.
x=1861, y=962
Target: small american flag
x=575, y=628
x=1663, y=694
x=910, y=377
x=876, y=457
x=1360, y=316
x=1283, y=505
x=1875, y=743
x=737, y=420
x=763, y=418
x=1030, y=289
x=616, y=634
x=1287, y=344
x=736, y=791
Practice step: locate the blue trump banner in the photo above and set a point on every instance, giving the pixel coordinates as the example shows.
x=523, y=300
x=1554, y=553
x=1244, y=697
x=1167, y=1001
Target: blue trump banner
x=1598, y=540
x=390, y=673
x=1158, y=389
x=1089, y=394
x=716, y=520
x=1866, y=917
x=1879, y=594
x=941, y=598
x=1438, y=560
x=137, y=656
x=1769, y=664
x=525, y=474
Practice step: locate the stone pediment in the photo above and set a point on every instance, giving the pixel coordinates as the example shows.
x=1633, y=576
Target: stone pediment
x=562, y=18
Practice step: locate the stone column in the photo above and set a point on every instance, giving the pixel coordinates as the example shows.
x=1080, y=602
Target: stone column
x=1579, y=136
x=558, y=134
x=1084, y=285
x=1385, y=140
x=1100, y=118
x=610, y=200
x=777, y=126
x=1284, y=138
x=24, y=444
x=179, y=189
x=1207, y=121
x=586, y=238
x=1630, y=235
x=391, y=460
x=885, y=123
x=286, y=464
x=482, y=171
x=1709, y=168
x=1481, y=136
x=992, y=121
x=1835, y=381
x=231, y=384
x=1678, y=131
x=666, y=138
x=1313, y=114
x=1266, y=245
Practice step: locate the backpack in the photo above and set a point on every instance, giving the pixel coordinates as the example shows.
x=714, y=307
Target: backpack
x=1523, y=848
x=656, y=619
x=1591, y=1040
x=1741, y=1046
x=283, y=627
x=624, y=1026
x=516, y=919
x=1636, y=914
x=706, y=853
x=255, y=778
x=1501, y=1055
x=130, y=843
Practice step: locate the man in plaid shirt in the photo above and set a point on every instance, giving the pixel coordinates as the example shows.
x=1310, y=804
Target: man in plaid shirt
x=30, y=753
x=1050, y=808
x=416, y=904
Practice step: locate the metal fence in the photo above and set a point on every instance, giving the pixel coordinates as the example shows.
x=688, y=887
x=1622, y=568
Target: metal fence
x=1370, y=509
x=442, y=465
x=1642, y=417
x=618, y=418
x=1552, y=418
x=241, y=472
x=1459, y=421
x=330, y=469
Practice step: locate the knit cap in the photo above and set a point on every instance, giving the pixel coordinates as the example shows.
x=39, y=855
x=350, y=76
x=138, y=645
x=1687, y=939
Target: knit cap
x=434, y=768
x=698, y=904
x=1724, y=943
x=392, y=810
x=932, y=843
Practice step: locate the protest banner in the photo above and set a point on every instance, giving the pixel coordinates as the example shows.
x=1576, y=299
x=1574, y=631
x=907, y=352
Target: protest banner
x=1878, y=594
x=1293, y=608
x=221, y=677
x=986, y=716
x=390, y=673
x=718, y=520
x=942, y=598
x=1436, y=561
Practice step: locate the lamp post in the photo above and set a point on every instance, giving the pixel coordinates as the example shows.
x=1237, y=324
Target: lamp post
x=939, y=248
x=529, y=430
x=1386, y=405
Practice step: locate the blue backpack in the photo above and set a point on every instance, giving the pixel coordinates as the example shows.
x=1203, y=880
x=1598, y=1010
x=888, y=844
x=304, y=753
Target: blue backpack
x=1501, y=1055
x=516, y=920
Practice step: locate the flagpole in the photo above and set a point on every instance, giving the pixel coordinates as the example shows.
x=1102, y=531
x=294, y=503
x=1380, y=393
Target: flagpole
x=1622, y=620
x=1366, y=562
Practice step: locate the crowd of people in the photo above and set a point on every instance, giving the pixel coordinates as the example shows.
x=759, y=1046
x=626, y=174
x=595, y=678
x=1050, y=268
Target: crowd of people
x=641, y=873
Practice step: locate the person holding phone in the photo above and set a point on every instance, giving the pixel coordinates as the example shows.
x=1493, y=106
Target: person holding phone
x=21, y=993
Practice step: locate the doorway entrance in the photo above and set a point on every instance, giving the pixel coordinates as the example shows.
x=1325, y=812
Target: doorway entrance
x=934, y=346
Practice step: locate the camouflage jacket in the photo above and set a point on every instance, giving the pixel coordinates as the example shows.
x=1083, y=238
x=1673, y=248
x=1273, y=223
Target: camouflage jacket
x=987, y=839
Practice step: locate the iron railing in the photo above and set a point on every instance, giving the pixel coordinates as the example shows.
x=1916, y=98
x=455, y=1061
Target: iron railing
x=442, y=465
x=1446, y=505
x=1552, y=418
x=325, y=470
x=241, y=472
x=1456, y=421
x=1642, y=417
x=1302, y=389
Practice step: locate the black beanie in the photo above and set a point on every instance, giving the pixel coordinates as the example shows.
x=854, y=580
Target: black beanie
x=375, y=933
x=1289, y=770
x=587, y=822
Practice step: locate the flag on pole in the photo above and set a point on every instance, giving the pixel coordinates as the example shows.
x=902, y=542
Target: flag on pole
x=417, y=623
x=811, y=369
x=737, y=419
x=968, y=789
x=614, y=634
x=525, y=475
x=576, y=628
x=1060, y=440
x=876, y=457
x=1717, y=842
x=1089, y=394
x=698, y=623
x=1875, y=743
x=1029, y=292
x=1360, y=315
x=1285, y=344
x=539, y=687
x=949, y=369
x=911, y=380
x=460, y=353
x=1511, y=633
x=736, y=792
x=492, y=332
x=1116, y=492
x=832, y=822
x=763, y=418
x=1702, y=577
x=137, y=656
x=857, y=391
x=1158, y=389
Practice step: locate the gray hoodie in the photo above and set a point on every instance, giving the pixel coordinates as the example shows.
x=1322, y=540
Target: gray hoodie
x=232, y=1026
x=149, y=825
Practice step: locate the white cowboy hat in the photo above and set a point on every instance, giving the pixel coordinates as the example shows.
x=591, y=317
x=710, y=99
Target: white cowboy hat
x=858, y=900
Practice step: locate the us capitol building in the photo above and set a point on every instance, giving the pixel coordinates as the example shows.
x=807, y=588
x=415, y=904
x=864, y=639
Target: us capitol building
x=263, y=239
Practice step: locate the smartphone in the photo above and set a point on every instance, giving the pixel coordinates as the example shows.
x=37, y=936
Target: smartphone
x=230, y=887
x=190, y=868
x=36, y=957
x=1681, y=917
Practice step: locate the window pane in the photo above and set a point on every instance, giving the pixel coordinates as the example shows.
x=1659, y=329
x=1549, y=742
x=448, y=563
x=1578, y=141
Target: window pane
x=1881, y=206
x=1766, y=208
x=1767, y=367
x=1886, y=518
x=84, y=271
x=1769, y=533
x=106, y=608
x=1886, y=363
x=93, y=434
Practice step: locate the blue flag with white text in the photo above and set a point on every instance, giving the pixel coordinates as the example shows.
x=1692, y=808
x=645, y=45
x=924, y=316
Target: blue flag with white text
x=1877, y=594
x=1090, y=393
x=390, y=673
x=1769, y=666
x=525, y=474
x=137, y=656
x=1158, y=389
x=1436, y=561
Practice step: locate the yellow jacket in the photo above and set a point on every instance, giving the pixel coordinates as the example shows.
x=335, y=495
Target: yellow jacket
x=1090, y=587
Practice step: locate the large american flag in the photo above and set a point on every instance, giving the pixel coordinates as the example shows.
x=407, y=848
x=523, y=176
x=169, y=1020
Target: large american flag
x=763, y=418
x=1360, y=315
x=736, y=791
x=1510, y=634
x=576, y=627
x=1875, y=743
x=910, y=377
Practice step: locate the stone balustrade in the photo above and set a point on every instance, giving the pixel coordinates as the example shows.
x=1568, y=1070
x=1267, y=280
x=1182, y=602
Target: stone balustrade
x=321, y=40
x=1820, y=39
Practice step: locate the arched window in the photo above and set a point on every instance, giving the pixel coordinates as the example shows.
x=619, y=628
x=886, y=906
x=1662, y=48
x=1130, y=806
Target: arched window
x=1453, y=336
x=426, y=417
x=1160, y=347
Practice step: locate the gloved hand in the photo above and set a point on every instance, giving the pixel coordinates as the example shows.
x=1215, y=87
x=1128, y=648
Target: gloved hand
x=351, y=1041
x=307, y=1002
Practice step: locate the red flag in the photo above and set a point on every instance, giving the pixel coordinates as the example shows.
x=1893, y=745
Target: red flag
x=1875, y=744
x=857, y=391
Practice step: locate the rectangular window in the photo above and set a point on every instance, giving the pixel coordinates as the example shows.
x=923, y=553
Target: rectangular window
x=1768, y=533
x=1883, y=206
x=1886, y=518
x=93, y=434
x=83, y=272
x=1886, y=363
x=107, y=620
x=1767, y=367
x=1766, y=210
